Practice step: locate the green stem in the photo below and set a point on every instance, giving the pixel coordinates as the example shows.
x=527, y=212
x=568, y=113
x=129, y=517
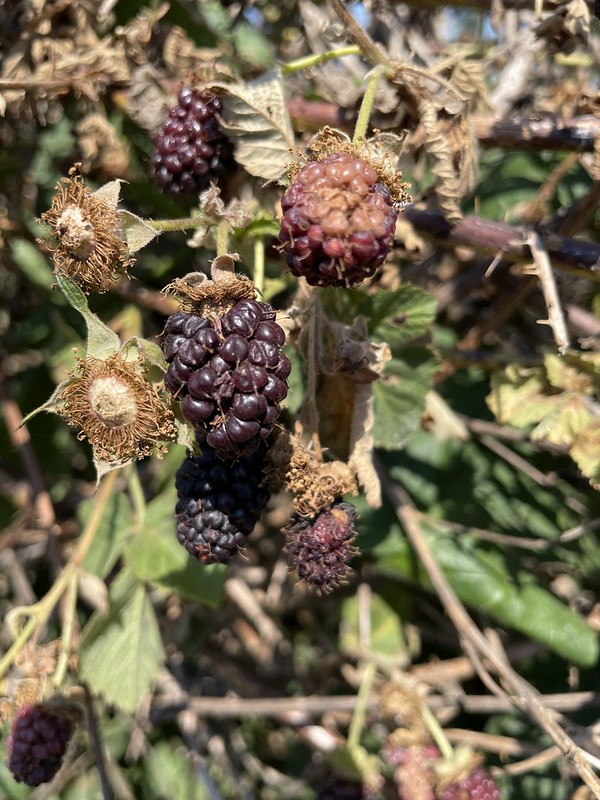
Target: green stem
x=306, y=62
x=364, y=115
x=259, y=263
x=360, y=709
x=437, y=733
x=136, y=493
x=67, y=631
x=181, y=224
x=222, y=237
x=40, y=612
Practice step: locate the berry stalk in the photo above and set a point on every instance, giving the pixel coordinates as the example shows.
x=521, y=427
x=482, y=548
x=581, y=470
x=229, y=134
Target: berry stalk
x=364, y=115
x=307, y=62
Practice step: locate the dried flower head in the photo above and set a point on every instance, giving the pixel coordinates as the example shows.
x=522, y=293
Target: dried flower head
x=320, y=547
x=88, y=246
x=118, y=410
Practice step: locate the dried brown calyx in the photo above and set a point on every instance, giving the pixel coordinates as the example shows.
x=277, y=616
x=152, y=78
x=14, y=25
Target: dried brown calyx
x=118, y=410
x=87, y=244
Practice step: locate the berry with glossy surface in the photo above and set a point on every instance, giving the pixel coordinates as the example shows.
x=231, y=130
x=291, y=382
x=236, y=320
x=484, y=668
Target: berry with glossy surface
x=190, y=148
x=37, y=744
x=229, y=374
x=338, y=222
x=320, y=548
x=219, y=503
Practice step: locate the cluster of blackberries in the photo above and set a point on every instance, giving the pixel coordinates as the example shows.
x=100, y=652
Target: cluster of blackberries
x=190, y=148
x=229, y=374
x=338, y=222
x=320, y=548
x=36, y=745
x=219, y=502
x=477, y=785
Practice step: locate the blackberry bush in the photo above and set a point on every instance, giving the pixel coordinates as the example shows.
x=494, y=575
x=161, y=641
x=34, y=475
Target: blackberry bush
x=229, y=374
x=219, y=503
x=338, y=222
x=320, y=548
x=37, y=744
x=190, y=147
x=477, y=785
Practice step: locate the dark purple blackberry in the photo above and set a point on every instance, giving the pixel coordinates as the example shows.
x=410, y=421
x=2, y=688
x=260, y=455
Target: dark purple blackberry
x=37, y=744
x=320, y=548
x=230, y=375
x=342, y=790
x=219, y=503
x=338, y=222
x=190, y=148
x=477, y=785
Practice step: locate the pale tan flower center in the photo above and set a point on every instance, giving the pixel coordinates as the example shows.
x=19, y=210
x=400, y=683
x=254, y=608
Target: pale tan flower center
x=113, y=402
x=76, y=233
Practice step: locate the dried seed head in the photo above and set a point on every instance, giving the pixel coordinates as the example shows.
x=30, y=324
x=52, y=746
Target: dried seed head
x=88, y=246
x=117, y=409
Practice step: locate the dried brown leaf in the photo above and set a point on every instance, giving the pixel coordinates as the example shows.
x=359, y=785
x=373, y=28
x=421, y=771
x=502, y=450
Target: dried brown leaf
x=448, y=187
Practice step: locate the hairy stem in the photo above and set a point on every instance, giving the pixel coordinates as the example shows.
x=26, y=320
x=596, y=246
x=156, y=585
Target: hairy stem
x=364, y=115
x=306, y=62
x=259, y=264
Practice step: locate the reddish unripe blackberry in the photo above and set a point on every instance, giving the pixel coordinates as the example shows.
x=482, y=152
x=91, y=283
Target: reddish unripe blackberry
x=37, y=744
x=320, y=548
x=477, y=785
x=414, y=775
x=219, y=503
x=342, y=790
x=229, y=374
x=190, y=148
x=338, y=222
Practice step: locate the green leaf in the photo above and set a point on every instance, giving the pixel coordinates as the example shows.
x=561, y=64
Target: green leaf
x=385, y=628
x=112, y=533
x=122, y=653
x=170, y=773
x=136, y=231
x=32, y=263
x=102, y=341
x=399, y=397
x=252, y=46
x=399, y=317
x=487, y=582
x=155, y=555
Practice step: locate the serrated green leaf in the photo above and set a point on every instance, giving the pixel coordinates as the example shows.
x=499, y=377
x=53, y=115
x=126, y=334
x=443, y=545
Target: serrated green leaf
x=102, y=342
x=399, y=317
x=155, y=555
x=518, y=397
x=111, y=535
x=121, y=654
x=399, y=397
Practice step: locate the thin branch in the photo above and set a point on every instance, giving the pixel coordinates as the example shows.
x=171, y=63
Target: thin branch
x=523, y=695
x=573, y=256
x=97, y=745
x=523, y=133
x=543, y=269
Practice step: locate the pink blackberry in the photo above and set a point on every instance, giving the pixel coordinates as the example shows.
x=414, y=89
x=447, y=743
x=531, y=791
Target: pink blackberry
x=477, y=785
x=37, y=744
x=219, y=503
x=320, y=548
x=414, y=775
x=229, y=374
x=190, y=148
x=338, y=222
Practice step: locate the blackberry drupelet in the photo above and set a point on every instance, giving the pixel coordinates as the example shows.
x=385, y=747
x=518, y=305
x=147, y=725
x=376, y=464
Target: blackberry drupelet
x=320, y=548
x=338, y=222
x=219, y=503
x=229, y=374
x=37, y=744
x=477, y=785
x=190, y=148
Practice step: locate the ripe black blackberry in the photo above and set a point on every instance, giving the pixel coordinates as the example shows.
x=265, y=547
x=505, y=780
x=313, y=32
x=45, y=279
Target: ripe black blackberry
x=477, y=785
x=37, y=744
x=219, y=503
x=190, y=148
x=229, y=374
x=338, y=221
x=320, y=548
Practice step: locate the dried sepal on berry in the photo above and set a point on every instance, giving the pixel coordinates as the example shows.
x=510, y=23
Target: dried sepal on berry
x=87, y=244
x=320, y=548
x=117, y=409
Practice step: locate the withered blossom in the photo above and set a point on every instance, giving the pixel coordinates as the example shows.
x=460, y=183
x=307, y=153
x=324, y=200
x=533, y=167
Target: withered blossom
x=88, y=246
x=118, y=410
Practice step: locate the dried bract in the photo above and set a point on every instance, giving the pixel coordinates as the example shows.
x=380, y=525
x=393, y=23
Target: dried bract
x=88, y=246
x=117, y=409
